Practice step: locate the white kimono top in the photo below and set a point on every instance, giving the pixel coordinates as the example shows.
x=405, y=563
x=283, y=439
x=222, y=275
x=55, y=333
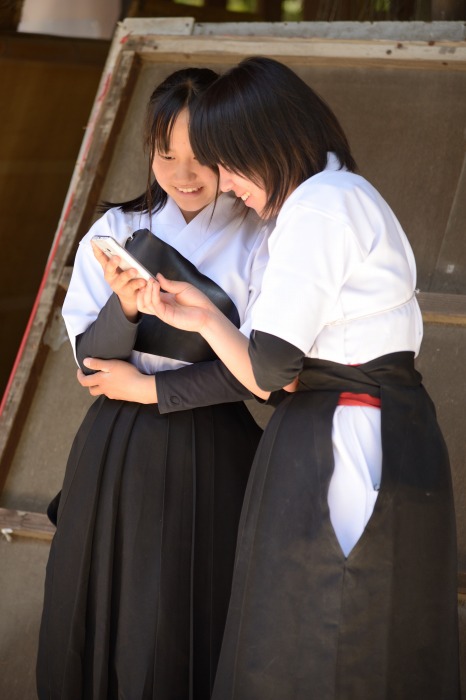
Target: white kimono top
x=340, y=285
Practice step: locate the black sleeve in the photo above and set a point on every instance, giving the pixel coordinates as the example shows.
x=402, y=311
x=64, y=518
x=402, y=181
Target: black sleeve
x=275, y=362
x=199, y=384
x=110, y=337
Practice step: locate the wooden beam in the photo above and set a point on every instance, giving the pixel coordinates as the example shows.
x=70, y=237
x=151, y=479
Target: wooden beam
x=23, y=524
x=443, y=308
x=65, y=278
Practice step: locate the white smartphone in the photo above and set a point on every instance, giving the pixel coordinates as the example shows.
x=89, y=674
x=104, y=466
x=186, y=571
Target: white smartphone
x=110, y=246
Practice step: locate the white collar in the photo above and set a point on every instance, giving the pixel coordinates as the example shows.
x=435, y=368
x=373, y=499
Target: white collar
x=170, y=225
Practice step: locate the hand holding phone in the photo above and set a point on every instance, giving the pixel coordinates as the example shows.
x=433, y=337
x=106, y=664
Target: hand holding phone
x=110, y=246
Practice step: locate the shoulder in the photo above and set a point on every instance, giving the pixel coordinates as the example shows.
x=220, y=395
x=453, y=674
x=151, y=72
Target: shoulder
x=331, y=206
x=341, y=196
x=328, y=189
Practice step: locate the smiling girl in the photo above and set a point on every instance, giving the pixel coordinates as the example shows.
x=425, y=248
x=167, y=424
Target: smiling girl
x=139, y=574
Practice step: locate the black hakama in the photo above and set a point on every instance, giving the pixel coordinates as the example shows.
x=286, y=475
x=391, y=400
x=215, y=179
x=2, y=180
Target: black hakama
x=139, y=574
x=307, y=623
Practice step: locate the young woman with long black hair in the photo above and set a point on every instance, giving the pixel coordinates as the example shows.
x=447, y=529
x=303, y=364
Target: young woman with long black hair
x=139, y=575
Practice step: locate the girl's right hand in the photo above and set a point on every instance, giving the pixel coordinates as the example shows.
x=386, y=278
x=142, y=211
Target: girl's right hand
x=125, y=284
x=179, y=304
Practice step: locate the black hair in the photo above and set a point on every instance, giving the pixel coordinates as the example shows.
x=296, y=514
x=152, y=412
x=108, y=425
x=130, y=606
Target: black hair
x=180, y=90
x=261, y=120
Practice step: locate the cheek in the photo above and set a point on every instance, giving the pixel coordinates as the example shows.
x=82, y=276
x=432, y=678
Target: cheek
x=161, y=172
x=210, y=178
x=248, y=186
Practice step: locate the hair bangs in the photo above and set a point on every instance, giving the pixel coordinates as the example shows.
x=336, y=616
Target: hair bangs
x=163, y=128
x=219, y=135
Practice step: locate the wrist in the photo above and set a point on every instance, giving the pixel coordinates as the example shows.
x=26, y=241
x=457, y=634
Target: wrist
x=148, y=389
x=130, y=311
x=132, y=316
x=213, y=321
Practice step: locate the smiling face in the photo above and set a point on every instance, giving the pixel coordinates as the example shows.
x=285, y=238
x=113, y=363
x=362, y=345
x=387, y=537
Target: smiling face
x=252, y=195
x=191, y=185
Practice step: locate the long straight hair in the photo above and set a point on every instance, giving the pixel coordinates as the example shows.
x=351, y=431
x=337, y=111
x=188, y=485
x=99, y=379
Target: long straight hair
x=261, y=120
x=179, y=91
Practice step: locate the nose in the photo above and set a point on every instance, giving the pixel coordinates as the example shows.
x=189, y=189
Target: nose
x=225, y=181
x=185, y=171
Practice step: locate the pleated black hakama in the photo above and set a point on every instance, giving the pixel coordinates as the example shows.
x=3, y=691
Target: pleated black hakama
x=142, y=558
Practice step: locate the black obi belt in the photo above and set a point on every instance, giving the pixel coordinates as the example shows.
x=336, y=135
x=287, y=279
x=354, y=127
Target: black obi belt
x=395, y=369
x=156, y=337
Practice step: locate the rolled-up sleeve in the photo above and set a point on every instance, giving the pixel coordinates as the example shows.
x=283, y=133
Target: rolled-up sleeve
x=275, y=362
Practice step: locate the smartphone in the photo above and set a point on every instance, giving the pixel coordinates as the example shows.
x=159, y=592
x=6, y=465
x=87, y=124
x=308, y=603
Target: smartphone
x=110, y=246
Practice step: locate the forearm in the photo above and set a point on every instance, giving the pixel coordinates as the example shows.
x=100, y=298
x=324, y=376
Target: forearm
x=111, y=336
x=231, y=346
x=196, y=385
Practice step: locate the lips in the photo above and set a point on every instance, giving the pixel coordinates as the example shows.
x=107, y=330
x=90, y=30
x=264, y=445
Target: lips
x=245, y=196
x=188, y=190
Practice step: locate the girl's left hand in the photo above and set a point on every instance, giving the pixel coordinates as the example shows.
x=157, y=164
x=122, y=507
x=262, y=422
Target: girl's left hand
x=179, y=304
x=117, y=379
